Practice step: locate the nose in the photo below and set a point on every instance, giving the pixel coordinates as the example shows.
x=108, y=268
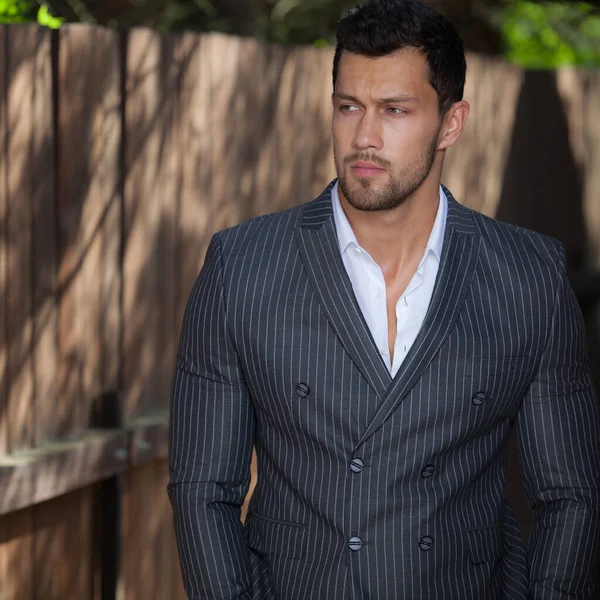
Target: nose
x=368, y=133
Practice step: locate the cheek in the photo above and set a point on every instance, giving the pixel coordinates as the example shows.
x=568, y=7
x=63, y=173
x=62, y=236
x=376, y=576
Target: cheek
x=405, y=139
x=343, y=131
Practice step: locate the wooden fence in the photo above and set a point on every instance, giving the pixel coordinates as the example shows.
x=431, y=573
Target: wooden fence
x=121, y=153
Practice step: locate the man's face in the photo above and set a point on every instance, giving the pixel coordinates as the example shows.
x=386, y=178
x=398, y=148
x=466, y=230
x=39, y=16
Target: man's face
x=386, y=126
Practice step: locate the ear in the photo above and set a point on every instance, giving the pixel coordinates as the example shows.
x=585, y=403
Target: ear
x=454, y=123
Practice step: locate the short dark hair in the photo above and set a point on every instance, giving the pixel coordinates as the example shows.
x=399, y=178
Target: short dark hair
x=381, y=27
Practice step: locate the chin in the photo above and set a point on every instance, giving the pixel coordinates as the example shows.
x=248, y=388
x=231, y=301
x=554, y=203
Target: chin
x=373, y=201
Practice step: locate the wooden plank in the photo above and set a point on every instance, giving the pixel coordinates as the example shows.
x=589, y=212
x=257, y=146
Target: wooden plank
x=169, y=191
x=20, y=75
x=282, y=147
x=109, y=189
x=3, y=252
x=321, y=142
x=64, y=547
x=195, y=209
x=154, y=69
x=139, y=526
x=590, y=82
x=45, y=307
x=89, y=214
x=244, y=158
x=227, y=102
x=474, y=169
x=16, y=550
x=147, y=523
x=41, y=474
x=149, y=442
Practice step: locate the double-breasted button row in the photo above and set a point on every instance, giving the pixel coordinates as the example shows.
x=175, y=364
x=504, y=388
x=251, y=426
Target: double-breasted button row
x=425, y=543
x=357, y=465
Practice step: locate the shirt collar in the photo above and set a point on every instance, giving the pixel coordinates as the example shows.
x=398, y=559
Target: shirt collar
x=346, y=236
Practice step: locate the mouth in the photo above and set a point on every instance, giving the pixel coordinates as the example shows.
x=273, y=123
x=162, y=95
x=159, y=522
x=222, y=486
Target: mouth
x=366, y=169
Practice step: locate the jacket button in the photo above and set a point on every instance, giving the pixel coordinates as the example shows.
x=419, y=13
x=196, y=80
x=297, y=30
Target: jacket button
x=302, y=390
x=428, y=471
x=355, y=543
x=426, y=543
x=478, y=399
x=356, y=465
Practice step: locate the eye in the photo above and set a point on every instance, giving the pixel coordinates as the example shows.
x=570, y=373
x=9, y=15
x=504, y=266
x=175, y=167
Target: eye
x=349, y=108
x=394, y=110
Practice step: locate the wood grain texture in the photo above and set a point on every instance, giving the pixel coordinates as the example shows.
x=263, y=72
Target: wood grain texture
x=64, y=547
x=152, y=186
x=45, y=244
x=89, y=215
x=195, y=210
x=3, y=253
x=228, y=101
x=40, y=474
x=16, y=552
x=147, y=524
x=21, y=54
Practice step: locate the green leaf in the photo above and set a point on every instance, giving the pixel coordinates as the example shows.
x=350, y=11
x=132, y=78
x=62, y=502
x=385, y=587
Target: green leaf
x=45, y=18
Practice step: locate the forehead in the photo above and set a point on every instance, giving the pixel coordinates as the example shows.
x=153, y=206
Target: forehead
x=402, y=72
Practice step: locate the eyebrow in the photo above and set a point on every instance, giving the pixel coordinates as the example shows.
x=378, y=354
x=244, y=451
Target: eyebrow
x=388, y=100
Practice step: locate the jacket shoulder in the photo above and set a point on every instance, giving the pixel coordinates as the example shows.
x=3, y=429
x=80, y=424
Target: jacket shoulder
x=260, y=234
x=520, y=243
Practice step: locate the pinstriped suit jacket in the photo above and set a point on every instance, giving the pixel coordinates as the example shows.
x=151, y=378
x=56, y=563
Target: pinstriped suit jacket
x=275, y=352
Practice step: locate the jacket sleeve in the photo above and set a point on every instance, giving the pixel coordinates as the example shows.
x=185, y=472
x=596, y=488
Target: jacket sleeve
x=558, y=432
x=210, y=443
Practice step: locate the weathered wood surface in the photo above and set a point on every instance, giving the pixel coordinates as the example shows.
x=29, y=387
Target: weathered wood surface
x=16, y=554
x=47, y=551
x=45, y=244
x=21, y=62
x=33, y=476
x=154, y=67
x=64, y=547
x=147, y=523
x=3, y=252
x=195, y=209
x=89, y=215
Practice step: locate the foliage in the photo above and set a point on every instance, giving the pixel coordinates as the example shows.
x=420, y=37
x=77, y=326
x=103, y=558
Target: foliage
x=281, y=21
x=535, y=34
x=25, y=11
x=16, y=11
x=47, y=19
x=552, y=34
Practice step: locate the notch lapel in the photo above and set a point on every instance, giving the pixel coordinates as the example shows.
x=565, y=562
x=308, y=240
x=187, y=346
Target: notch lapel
x=319, y=251
x=457, y=266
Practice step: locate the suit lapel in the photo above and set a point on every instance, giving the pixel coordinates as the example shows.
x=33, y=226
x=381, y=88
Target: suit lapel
x=319, y=250
x=457, y=265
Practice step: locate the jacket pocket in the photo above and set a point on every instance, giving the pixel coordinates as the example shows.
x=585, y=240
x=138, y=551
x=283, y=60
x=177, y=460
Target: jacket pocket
x=278, y=538
x=485, y=544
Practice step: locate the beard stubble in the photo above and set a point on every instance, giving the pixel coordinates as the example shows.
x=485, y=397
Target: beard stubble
x=402, y=185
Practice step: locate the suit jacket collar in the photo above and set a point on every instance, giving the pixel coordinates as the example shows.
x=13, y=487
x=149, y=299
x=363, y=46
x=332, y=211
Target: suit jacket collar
x=318, y=247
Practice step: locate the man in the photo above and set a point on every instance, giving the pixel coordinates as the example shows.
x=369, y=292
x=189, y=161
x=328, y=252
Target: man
x=377, y=346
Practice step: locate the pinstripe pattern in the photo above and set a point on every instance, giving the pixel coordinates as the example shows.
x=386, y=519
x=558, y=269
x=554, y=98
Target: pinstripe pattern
x=502, y=345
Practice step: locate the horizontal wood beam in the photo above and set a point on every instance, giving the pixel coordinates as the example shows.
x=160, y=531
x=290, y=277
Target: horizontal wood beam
x=34, y=476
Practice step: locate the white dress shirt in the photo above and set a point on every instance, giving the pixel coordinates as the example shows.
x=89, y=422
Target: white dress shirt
x=369, y=288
